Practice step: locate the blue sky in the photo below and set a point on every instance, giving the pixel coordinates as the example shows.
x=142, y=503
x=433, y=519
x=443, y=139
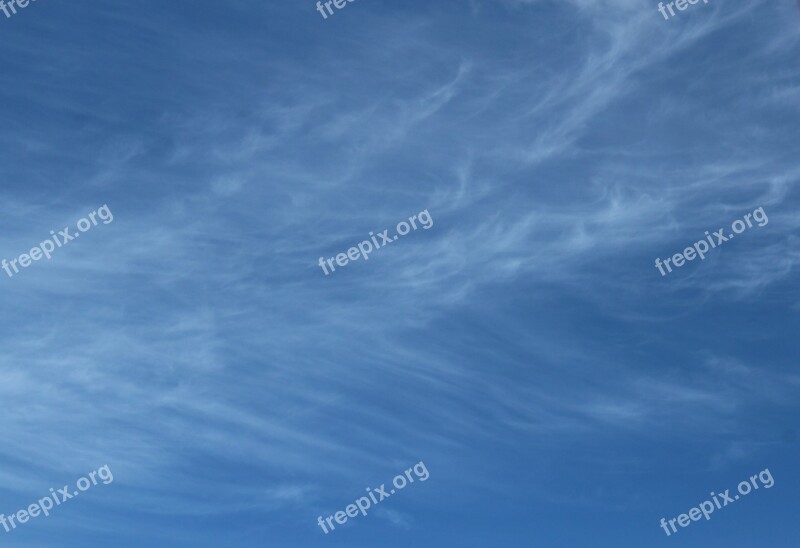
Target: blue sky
x=559, y=390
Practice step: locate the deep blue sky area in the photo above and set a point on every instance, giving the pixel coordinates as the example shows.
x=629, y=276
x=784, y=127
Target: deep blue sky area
x=558, y=389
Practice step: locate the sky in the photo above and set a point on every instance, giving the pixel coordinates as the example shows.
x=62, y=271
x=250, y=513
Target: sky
x=559, y=390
